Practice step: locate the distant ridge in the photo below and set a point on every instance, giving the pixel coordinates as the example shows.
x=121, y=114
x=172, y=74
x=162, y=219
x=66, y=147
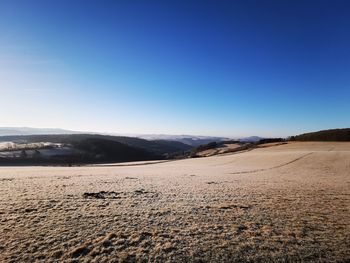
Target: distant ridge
x=191, y=140
x=339, y=135
x=251, y=139
x=11, y=131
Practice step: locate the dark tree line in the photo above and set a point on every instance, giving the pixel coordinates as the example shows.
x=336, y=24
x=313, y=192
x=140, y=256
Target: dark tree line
x=339, y=135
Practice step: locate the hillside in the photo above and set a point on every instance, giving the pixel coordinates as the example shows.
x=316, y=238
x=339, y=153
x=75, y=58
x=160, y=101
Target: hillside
x=84, y=148
x=157, y=147
x=340, y=135
x=97, y=149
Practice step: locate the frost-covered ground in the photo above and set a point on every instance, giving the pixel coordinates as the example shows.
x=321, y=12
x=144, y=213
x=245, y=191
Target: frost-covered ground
x=286, y=203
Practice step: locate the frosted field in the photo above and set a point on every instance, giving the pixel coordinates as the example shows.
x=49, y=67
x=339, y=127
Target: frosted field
x=283, y=203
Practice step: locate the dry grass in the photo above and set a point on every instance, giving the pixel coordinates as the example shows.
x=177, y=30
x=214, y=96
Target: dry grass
x=257, y=206
x=226, y=148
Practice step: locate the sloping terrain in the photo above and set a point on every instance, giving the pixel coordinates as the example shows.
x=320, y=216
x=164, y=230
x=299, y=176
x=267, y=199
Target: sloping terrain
x=68, y=149
x=340, y=135
x=285, y=203
x=157, y=147
x=224, y=148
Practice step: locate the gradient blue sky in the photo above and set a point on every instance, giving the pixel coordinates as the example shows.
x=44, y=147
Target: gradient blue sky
x=231, y=68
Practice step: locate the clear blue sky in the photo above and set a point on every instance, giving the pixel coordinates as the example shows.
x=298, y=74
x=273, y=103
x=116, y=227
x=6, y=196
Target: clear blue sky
x=231, y=68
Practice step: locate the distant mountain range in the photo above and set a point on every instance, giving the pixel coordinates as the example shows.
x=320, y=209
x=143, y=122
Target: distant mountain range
x=251, y=139
x=8, y=131
x=185, y=139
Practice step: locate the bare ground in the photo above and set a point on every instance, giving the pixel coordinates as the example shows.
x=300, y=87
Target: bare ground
x=286, y=203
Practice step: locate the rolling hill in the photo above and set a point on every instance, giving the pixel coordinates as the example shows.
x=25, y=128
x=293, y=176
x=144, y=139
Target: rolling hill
x=85, y=148
x=325, y=135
